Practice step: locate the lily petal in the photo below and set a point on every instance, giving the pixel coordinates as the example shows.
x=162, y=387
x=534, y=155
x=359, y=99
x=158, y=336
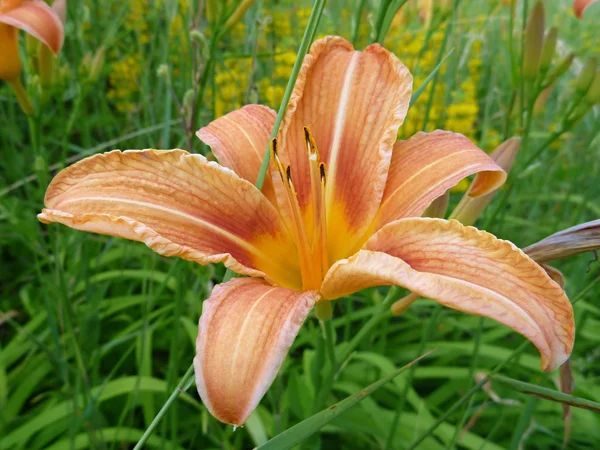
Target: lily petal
x=178, y=204
x=245, y=332
x=353, y=102
x=38, y=19
x=239, y=140
x=579, y=7
x=10, y=62
x=465, y=269
x=427, y=165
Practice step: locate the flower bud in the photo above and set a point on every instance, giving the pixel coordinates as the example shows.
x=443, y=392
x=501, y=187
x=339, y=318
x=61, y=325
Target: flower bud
x=586, y=76
x=97, y=64
x=163, y=72
x=548, y=49
x=581, y=238
x=46, y=68
x=534, y=39
x=470, y=208
x=438, y=207
x=238, y=13
x=400, y=307
x=561, y=68
x=593, y=93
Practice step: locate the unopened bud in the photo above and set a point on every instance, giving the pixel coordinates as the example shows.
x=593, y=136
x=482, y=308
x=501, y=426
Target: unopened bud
x=586, y=76
x=195, y=35
x=555, y=274
x=211, y=11
x=540, y=102
x=45, y=67
x=238, y=13
x=593, y=93
x=188, y=103
x=400, y=307
x=97, y=64
x=534, y=39
x=470, y=208
x=561, y=68
x=163, y=72
x=581, y=238
x=548, y=49
x=438, y=207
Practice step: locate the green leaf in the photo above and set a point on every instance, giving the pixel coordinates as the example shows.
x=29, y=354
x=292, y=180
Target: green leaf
x=548, y=394
x=423, y=86
x=308, y=427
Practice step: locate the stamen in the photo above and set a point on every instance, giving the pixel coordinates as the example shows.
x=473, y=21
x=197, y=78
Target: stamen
x=317, y=185
x=311, y=277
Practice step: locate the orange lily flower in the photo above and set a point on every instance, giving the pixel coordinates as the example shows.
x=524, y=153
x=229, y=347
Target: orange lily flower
x=36, y=18
x=339, y=212
x=579, y=7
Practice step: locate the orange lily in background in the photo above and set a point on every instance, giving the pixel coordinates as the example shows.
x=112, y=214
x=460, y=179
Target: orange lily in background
x=338, y=212
x=34, y=17
x=579, y=7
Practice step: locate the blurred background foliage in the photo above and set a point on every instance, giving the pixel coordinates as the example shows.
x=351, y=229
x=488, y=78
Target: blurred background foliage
x=95, y=332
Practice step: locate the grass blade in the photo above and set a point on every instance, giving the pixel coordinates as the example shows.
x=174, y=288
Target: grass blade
x=296, y=434
x=548, y=394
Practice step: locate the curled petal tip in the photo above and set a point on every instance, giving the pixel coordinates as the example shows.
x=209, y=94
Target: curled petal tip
x=38, y=19
x=579, y=7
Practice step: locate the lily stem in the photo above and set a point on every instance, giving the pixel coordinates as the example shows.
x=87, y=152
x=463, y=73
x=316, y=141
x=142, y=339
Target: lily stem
x=183, y=386
x=330, y=338
x=382, y=312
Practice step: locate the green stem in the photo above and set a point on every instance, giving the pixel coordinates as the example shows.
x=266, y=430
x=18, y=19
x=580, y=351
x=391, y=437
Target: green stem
x=356, y=22
x=22, y=97
x=183, y=386
x=427, y=331
x=414, y=444
x=329, y=337
x=309, y=33
x=381, y=313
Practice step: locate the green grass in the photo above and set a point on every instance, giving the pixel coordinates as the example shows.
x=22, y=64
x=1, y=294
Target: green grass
x=96, y=333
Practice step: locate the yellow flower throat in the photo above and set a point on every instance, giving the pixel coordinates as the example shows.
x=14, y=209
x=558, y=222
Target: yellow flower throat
x=312, y=250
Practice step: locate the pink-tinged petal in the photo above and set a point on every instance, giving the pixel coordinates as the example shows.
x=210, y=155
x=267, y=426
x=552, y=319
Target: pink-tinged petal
x=38, y=19
x=239, y=140
x=178, y=204
x=465, y=269
x=579, y=7
x=245, y=332
x=353, y=102
x=427, y=165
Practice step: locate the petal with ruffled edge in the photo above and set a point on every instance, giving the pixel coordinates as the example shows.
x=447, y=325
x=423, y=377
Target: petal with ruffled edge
x=239, y=140
x=465, y=269
x=38, y=19
x=178, y=204
x=353, y=102
x=245, y=332
x=427, y=165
